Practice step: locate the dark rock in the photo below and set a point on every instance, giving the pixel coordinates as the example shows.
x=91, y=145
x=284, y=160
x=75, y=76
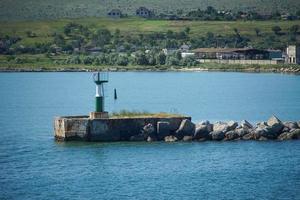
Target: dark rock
x=187, y=138
x=231, y=135
x=149, y=131
x=163, y=130
x=246, y=124
x=248, y=136
x=170, y=138
x=296, y=134
x=186, y=128
x=290, y=125
x=217, y=135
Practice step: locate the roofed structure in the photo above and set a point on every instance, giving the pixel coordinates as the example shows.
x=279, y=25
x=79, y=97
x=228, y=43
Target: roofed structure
x=115, y=13
x=144, y=12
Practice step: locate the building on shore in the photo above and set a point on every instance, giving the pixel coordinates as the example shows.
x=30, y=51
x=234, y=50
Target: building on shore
x=238, y=55
x=115, y=13
x=292, y=54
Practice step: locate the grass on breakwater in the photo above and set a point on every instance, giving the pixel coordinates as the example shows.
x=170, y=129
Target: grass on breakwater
x=134, y=114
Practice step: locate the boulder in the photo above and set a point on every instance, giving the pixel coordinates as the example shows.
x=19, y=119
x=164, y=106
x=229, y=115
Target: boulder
x=137, y=138
x=242, y=131
x=285, y=136
x=225, y=127
x=231, y=135
x=207, y=124
x=148, y=131
x=298, y=124
x=273, y=120
x=248, y=136
x=246, y=124
x=170, y=138
x=202, y=130
x=232, y=125
x=295, y=134
x=286, y=129
x=258, y=132
x=220, y=127
x=163, y=130
x=217, y=135
x=186, y=128
x=262, y=125
x=290, y=125
x=275, y=126
x=187, y=138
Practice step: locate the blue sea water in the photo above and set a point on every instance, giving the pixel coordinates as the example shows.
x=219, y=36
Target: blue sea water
x=34, y=166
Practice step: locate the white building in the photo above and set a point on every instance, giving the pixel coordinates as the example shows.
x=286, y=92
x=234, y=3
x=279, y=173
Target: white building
x=292, y=54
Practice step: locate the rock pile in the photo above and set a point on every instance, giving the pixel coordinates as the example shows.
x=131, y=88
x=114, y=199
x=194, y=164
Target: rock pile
x=273, y=129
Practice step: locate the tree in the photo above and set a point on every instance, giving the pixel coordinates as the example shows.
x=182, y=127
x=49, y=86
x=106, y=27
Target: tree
x=101, y=37
x=237, y=32
x=276, y=30
x=141, y=59
x=257, y=32
x=161, y=58
x=294, y=29
x=187, y=30
x=122, y=60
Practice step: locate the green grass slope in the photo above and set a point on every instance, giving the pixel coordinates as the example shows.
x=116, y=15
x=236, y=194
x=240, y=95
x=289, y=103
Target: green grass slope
x=53, y=9
x=132, y=26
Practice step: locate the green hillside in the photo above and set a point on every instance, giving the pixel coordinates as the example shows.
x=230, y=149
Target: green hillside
x=51, y=9
x=44, y=30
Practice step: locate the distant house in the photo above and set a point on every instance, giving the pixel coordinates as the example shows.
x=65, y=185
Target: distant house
x=115, y=13
x=143, y=12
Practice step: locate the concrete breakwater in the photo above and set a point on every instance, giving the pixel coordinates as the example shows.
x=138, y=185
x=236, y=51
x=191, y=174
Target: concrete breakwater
x=170, y=129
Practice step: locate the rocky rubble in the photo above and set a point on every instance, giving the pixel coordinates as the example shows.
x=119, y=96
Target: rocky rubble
x=273, y=129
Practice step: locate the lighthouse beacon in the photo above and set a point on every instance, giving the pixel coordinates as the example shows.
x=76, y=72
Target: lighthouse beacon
x=100, y=78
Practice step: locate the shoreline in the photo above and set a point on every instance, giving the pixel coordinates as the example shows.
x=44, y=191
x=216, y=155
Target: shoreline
x=283, y=70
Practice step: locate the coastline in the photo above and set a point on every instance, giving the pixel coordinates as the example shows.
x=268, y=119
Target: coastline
x=213, y=68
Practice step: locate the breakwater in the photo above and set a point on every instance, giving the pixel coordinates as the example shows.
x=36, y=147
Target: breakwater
x=170, y=129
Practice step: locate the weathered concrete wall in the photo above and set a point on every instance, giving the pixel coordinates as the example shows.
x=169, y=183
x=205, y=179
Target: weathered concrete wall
x=71, y=128
x=116, y=129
